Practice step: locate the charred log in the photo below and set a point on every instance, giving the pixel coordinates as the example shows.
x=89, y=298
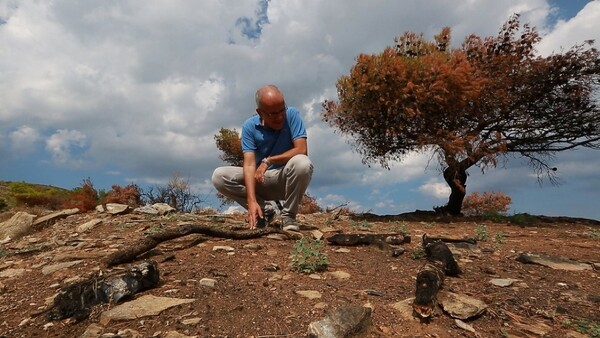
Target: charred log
x=76, y=300
x=430, y=278
x=368, y=239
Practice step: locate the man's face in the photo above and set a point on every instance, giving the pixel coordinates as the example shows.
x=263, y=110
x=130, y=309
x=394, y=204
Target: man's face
x=272, y=113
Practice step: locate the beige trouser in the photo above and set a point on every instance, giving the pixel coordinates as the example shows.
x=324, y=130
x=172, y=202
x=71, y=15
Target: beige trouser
x=288, y=183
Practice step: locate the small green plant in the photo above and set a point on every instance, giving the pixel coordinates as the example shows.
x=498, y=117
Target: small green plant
x=307, y=257
x=4, y=253
x=481, y=233
x=417, y=253
x=3, y=204
x=361, y=225
x=400, y=227
x=594, y=234
x=592, y=329
x=154, y=229
x=500, y=237
x=428, y=224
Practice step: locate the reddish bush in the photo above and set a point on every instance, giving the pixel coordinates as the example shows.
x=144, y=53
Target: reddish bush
x=489, y=202
x=308, y=205
x=84, y=198
x=130, y=195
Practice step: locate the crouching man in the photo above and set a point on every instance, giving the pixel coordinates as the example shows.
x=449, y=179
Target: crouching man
x=276, y=164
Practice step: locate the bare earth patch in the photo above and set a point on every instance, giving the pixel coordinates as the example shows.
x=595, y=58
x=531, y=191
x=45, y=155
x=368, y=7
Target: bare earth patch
x=257, y=294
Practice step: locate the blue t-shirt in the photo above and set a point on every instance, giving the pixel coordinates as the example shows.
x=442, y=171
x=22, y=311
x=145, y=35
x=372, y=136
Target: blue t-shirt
x=264, y=141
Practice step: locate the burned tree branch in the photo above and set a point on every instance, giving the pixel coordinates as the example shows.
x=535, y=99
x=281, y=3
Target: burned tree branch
x=130, y=253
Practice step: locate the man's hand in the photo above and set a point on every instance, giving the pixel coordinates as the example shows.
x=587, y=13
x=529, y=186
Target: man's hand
x=254, y=213
x=259, y=174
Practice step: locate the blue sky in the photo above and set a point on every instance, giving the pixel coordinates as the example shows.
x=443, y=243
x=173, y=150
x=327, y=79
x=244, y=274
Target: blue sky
x=124, y=92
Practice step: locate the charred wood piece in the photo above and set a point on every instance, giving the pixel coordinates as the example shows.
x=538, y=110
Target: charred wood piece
x=368, y=239
x=427, y=239
x=430, y=278
x=76, y=300
x=129, y=254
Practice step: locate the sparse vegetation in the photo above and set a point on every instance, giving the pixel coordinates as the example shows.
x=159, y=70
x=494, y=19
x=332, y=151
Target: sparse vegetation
x=400, y=227
x=31, y=195
x=592, y=329
x=594, y=234
x=364, y=225
x=500, y=238
x=417, y=253
x=307, y=256
x=481, y=233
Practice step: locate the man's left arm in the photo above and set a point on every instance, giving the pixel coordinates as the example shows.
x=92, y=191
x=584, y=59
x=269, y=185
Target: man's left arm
x=300, y=147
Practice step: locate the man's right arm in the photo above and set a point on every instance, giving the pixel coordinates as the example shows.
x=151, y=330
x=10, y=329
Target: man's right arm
x=249, y=170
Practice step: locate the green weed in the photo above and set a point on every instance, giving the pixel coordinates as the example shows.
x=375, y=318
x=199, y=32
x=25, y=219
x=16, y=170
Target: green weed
x=417, y=254
x=481, y=233
x=500, y=237
x=307, y=257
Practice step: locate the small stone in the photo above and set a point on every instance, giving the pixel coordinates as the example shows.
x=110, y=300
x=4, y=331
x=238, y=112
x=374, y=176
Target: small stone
x=191, y=321
x=342, y=250
x=503, y=282
x=208, y=282
x=318, y=235
x=339, y=275
x=464, y=325
x=310, y=294
x=252, y=246
x=223, y=248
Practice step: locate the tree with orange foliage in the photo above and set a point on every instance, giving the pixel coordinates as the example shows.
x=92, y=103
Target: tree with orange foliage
x=471, y=105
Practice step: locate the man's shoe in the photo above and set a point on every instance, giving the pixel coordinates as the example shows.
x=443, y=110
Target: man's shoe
x=268, y=214
x=289, y=224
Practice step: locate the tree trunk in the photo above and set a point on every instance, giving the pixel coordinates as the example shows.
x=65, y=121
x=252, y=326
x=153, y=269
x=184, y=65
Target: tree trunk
x=456, y=177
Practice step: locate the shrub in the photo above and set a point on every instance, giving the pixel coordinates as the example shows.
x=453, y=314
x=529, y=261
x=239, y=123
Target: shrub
x=3, y=204
x=85, y=198
x=130, y=195
x=177, y=193
x=488, y=203
x=308, y=205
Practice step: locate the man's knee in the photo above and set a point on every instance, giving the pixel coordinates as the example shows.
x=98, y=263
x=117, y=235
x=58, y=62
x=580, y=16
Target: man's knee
x=301, y=165
x=218, y=180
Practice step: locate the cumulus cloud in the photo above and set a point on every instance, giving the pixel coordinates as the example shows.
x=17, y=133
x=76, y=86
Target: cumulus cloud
x=435, y=188
x=141, y=90
x=61, y=146
x=23, y=140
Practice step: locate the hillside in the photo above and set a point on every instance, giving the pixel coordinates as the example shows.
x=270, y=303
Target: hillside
x=246, y=288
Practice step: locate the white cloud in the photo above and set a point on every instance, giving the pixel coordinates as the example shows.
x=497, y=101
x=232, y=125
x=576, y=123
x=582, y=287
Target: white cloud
x=23, y=140
x=435, y=188
x=61, y=145
x=141, y=90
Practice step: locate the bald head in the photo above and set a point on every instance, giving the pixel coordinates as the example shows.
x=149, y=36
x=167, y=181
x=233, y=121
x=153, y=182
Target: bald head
x=268, y=96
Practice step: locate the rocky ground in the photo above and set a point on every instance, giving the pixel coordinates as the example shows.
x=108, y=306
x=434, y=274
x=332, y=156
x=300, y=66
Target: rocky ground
x=217, y=287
